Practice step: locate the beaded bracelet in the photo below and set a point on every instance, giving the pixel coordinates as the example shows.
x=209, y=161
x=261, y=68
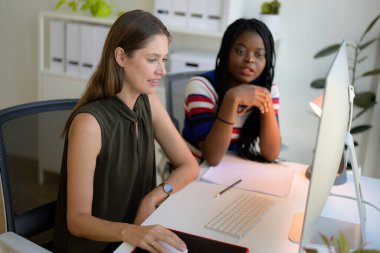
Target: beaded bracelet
x=225, y=121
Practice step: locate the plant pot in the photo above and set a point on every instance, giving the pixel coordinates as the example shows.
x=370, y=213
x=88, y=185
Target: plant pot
x=271, y=20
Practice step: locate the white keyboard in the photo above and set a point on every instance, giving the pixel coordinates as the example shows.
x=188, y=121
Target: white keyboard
x=241, y=215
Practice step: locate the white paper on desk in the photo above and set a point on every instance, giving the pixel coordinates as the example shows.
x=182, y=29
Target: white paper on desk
x=269, y=178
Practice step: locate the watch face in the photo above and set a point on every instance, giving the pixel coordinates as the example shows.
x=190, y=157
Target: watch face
x=168, y=188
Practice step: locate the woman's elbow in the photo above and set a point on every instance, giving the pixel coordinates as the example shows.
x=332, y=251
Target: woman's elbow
x=271, y=155
x=212, y=161
x=73, y=225
x=195, y=169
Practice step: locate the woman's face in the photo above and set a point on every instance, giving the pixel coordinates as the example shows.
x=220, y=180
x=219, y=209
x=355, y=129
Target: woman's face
x=144, y=69
x=247, y=58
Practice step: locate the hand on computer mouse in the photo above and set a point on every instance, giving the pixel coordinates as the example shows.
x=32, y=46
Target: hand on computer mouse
x=170, y=248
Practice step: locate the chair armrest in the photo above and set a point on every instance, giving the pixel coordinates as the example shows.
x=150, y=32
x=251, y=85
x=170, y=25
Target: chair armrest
x=11, y=242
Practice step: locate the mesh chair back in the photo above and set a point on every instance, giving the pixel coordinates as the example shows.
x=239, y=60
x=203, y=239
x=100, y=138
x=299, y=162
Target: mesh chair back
x=30, y=160
x=175, y=85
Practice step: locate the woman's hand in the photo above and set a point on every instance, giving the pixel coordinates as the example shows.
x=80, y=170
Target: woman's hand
x=247, y=95
x=148, y=238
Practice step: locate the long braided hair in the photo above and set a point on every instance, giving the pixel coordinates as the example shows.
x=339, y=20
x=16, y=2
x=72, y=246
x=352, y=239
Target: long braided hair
x=249, y=134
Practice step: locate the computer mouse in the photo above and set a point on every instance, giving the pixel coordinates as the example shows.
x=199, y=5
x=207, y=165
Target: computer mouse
x=170, y=248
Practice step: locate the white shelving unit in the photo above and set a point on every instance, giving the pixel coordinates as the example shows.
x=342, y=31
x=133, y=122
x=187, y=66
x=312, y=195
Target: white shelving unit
x=53, y=85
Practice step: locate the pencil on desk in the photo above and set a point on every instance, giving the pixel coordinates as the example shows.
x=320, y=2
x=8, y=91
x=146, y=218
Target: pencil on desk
x=226, y=189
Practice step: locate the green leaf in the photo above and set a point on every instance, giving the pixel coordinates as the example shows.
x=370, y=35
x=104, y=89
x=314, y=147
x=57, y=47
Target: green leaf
x=266, y=8
x=72, y=5
x=363, y=99
x=360, y=129
x=336, y=245
x=370, y=27
x=326, y=240
x=101, y=9
x=343, y=244
x=327, y=51
x=369, y=106
x=363, y=46
x=60, y=3
x=318, y=83
x=86, y=6
x=371, y=72
x=275, y=5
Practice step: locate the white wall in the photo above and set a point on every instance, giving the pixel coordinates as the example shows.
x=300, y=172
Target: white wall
x=306, y=26
x=18, y=50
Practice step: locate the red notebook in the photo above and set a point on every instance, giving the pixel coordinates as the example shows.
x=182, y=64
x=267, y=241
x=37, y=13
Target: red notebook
x=199, y=244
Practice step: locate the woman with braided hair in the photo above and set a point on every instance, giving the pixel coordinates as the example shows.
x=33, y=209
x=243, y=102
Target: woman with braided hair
x=235, y=106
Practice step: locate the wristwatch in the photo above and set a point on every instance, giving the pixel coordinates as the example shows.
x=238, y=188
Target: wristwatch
x=168, y=188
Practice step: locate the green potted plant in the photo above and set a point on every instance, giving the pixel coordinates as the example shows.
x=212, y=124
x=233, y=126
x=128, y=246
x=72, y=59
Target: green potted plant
x=269, y=14
x=272, y=7
x=97, y=8
x=356, y=54
x=339, y=245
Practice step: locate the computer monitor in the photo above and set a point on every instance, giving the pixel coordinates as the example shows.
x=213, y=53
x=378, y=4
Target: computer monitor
x=334, y=125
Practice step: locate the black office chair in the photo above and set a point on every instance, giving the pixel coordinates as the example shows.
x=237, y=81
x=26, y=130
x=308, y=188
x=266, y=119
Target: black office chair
x=30, y=160
x=175, y=84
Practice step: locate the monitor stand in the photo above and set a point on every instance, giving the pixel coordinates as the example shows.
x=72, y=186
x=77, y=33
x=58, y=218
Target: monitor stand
x=327, y=227
x=354, y=233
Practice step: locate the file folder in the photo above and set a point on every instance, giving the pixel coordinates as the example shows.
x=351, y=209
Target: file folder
x=72, y=48
x=87, y=49
x=213, y=15
x=101, y=36
x=163, y=10
x=179, y=13
x=196, y=14
x=57, y=46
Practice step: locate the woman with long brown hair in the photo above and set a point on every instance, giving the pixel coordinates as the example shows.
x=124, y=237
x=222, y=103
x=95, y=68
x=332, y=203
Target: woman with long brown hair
x=108, y=176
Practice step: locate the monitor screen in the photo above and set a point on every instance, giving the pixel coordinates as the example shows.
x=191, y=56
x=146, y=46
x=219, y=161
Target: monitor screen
x=329, y=147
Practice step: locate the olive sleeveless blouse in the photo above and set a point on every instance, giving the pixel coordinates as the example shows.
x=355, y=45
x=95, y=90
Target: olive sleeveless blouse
x=124, y=173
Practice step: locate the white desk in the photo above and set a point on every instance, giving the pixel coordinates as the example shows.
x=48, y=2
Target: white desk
x=190, y=209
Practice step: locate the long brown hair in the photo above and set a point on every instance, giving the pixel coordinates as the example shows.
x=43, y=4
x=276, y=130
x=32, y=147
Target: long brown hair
x=131, y=31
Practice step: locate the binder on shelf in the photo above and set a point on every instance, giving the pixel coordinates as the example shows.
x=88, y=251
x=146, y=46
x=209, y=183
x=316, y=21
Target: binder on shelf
x=179, y=13
x=101, y=35
x=72, y=48
x=87, y=47
x=163, y=10
x=57, y=46
x=197, y=13
x=92, y=38
x=213, y=15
